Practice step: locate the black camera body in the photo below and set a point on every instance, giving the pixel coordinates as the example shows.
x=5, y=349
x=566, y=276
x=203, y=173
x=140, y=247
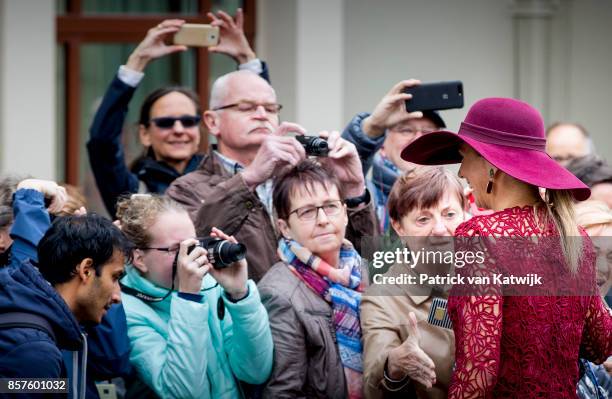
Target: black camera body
x=221, y=253
x=314, y=145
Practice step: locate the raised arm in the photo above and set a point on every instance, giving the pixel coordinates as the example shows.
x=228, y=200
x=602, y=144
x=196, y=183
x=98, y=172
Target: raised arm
x=106, y=153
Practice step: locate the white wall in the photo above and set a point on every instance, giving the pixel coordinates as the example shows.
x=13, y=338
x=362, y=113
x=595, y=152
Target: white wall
x=27, y=87
x=554, y=53
x=590, y=79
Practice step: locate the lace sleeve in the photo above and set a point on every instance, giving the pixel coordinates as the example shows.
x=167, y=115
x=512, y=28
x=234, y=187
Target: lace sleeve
x=477, y=321
x=596, y=343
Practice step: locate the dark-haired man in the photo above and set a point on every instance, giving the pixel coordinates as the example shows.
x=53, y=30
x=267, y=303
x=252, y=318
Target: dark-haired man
x=83, y=258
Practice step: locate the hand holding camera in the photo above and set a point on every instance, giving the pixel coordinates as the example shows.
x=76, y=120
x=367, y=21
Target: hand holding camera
x=277, y=153
x=233, y=279
x=154, y=45
x=391, y=110
x=343, y=159
x=191, y=266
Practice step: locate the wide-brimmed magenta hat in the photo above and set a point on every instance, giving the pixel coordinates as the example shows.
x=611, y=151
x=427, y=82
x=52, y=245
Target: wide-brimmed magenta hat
x=510, y=135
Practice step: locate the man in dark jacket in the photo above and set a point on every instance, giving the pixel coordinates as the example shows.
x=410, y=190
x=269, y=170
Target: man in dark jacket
x=169, y=123
x=107, y=343
x=232, y=188
x=83, y=259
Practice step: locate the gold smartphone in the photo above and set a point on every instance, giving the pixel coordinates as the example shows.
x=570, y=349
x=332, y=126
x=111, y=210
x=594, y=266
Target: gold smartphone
x=197, y=35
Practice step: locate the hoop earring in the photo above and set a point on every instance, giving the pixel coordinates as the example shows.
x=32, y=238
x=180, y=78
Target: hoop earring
x=490, y=184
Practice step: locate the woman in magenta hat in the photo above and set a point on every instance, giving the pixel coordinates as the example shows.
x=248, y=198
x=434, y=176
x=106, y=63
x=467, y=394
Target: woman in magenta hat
x=513, y=342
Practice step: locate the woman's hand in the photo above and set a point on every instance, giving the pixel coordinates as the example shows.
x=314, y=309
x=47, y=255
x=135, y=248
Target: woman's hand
x=410, y=360
x=50, y=189
x=153, y=45
x=191, y=267
x=233, y=279
x=232, y=40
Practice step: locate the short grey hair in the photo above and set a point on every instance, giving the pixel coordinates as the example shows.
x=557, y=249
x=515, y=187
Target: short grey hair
x=220, y=87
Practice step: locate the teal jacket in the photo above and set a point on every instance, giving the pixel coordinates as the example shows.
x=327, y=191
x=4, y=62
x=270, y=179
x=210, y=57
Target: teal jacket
x=181, y=349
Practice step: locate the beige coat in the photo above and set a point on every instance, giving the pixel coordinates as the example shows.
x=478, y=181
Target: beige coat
x=384, y=324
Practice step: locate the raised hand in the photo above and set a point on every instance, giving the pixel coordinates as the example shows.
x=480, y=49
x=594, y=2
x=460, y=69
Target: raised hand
x=154, y=44
x=277, y=153
x=391, y=110
x=410, y=360
x=50, y=189
x=343, y=159
x=233, y=279
x=232, y=40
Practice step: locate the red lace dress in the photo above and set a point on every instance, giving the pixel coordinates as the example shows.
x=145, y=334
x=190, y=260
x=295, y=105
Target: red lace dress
x=525, y=346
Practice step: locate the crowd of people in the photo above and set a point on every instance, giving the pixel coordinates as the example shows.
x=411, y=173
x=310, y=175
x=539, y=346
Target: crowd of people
x=141, y=306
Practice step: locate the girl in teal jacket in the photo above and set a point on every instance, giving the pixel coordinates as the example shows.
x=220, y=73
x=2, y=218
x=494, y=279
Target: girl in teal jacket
x=197, y=341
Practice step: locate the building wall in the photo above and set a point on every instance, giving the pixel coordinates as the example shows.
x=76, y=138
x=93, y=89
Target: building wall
x=331, y=59
x=27, y=87
x=555, y=54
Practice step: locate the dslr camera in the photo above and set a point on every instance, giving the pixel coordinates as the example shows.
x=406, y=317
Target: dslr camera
x=314, y=145
x=221, y=253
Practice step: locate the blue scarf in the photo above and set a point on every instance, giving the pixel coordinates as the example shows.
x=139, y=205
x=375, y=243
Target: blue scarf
x=384, y=174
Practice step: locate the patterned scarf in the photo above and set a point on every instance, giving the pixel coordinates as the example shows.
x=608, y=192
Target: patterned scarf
x=341, y=287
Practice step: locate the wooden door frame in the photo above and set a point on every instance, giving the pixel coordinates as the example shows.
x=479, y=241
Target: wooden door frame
x=75, y=29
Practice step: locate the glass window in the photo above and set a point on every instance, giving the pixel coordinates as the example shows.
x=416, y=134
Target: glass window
x=139, y=6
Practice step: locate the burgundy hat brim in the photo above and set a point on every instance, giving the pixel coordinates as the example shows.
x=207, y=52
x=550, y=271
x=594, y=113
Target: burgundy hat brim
x=531, y=166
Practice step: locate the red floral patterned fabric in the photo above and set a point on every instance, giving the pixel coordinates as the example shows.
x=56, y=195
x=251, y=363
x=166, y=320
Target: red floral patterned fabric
x=525, y=346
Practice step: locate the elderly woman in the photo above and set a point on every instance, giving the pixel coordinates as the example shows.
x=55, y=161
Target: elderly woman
x=196, y=341
x=312, y=295
x=405, y=355
x=519, y=346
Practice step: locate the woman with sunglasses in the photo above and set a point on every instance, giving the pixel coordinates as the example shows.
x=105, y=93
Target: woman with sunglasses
x=169, y=123
x=312, y=295
x=512, y=339
x=198, y=340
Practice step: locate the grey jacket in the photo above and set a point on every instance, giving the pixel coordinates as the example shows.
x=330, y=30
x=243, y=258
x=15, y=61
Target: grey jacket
x=306, y=359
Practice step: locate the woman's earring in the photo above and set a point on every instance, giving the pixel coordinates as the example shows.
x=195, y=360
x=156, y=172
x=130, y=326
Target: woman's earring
x=490, y=184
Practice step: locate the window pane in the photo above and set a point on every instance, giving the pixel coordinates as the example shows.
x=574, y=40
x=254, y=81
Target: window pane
x=60, y=7
x=99, y=64
x=139, y=6
x=229, y=6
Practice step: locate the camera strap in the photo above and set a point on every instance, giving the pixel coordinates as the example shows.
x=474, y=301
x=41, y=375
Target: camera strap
x=149, y=298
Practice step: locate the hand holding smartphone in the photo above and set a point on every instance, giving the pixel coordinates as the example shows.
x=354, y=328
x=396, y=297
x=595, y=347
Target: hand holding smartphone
x=435, y=96
x=197, y=35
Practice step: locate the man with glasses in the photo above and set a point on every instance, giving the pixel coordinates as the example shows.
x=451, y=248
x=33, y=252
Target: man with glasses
x=232, y=187
x=380, y=138
x=169, y=122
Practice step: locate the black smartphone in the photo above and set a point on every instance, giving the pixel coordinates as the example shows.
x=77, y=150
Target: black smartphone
x=435, y=96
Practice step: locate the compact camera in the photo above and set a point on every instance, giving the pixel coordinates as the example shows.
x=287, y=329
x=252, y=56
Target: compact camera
x=221, y=253
x=314, y=145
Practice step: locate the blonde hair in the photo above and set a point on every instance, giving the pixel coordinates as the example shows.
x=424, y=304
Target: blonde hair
x=138, y=213
x=560, y=206
x=593, y=214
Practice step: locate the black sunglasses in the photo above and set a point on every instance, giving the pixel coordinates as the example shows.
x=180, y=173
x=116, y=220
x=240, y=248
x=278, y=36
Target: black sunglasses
x=166, y=122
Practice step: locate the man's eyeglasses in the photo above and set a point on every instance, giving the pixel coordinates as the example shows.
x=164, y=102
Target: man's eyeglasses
x=309, y=212
x=249, y=106
x=166, y=122
x=411, y=130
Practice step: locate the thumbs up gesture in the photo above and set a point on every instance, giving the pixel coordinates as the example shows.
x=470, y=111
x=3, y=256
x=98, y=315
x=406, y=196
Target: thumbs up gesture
x=409, y=360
